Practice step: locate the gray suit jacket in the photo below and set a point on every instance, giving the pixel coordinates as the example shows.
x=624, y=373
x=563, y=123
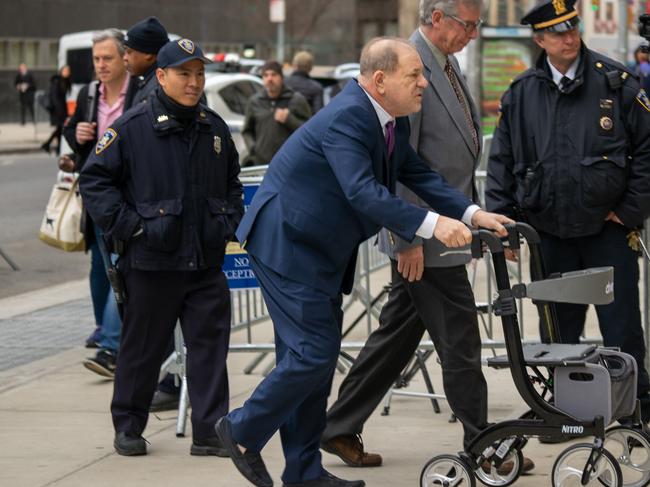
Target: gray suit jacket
x=440, y=136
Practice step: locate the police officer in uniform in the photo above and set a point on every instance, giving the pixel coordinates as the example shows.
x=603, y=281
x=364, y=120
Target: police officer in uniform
x=571, y=156
x=163, y=185
x=141, y=45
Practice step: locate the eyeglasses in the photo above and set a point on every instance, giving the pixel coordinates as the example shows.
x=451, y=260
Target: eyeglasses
x=467, y=25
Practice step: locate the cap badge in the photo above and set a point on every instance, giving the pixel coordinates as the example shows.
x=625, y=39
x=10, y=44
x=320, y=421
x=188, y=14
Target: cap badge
x=186, y=45
x=606, y=123
x=559, y=7
x=217, y=144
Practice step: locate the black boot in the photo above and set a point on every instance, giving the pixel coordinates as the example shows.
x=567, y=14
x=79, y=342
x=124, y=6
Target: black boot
x=208, y=446
x=129, y=444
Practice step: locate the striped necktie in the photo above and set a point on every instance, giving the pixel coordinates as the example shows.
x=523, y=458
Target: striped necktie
x=453, y=80
x=565, y=82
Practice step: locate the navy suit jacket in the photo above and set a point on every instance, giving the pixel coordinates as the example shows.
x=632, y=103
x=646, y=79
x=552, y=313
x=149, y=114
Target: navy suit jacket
x=331, y=186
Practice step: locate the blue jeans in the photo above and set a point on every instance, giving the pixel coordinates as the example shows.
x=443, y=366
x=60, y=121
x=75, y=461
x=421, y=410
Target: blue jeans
x=111, y=323
x=99, y=285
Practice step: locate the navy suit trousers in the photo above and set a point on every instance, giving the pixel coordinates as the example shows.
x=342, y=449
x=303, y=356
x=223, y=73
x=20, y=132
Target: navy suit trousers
x=293, y=397
x=620, y=321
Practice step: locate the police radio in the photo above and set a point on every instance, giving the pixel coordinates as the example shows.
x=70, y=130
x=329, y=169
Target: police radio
x=644, y=31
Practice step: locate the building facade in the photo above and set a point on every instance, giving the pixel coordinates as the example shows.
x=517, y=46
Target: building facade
x=334, y=30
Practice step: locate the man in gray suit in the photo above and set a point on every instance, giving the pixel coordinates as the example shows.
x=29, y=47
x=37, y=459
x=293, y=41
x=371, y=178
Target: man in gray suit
x=430, y=288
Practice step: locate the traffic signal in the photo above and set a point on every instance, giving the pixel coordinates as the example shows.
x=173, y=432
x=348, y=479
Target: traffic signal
x=595, y=5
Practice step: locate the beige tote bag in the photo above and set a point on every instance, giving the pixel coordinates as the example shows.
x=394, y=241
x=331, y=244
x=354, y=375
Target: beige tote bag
x=61, y=225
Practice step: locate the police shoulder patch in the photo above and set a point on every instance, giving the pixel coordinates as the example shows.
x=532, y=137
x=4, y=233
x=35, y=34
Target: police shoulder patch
x=107, y=139
x=642, y=98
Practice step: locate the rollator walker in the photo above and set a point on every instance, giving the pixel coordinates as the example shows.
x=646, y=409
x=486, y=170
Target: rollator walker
x=573, y=391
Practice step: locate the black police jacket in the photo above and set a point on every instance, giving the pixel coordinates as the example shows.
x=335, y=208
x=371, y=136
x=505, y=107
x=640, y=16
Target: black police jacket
x=563, y=160
x=178, y=184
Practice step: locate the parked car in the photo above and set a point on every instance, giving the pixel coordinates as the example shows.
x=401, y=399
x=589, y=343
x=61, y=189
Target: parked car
x=334, y=79
x=227, y=94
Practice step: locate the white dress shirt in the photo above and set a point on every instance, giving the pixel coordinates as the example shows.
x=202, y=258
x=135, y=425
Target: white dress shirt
x=571, y=72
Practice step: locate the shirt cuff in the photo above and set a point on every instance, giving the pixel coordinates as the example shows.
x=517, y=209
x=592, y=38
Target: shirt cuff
x=428, y=225
x=469, y=214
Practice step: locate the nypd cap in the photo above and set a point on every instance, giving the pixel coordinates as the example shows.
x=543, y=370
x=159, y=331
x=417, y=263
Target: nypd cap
x=552, y=16
x=178, y=52
x=146, y=36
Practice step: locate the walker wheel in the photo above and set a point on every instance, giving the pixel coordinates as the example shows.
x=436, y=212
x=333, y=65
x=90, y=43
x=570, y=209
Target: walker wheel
x=447, y=471
x=569, y=468
x=493, y=478
x=631, y=448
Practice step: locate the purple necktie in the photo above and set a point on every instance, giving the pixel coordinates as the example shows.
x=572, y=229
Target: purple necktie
x=390, y=137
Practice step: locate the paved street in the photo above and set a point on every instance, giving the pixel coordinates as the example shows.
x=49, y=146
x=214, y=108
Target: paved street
x=44, y=332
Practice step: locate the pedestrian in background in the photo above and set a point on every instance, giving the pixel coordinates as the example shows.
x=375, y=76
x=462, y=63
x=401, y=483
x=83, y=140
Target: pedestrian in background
x=26, y=87
x=99, y=104
x=57, y=106
x=571, y=156
x=162, y=183
x=300, y=81
x=272, y=116
x=642, y=67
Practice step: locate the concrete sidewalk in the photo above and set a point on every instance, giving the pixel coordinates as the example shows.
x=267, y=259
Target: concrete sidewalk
x=56, y=427
x=16, y=138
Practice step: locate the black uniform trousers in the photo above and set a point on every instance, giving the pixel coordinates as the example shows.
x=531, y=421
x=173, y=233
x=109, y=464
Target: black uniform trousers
x=26, y=106
x=156, y=299
x=619, y=321
x=442, y=302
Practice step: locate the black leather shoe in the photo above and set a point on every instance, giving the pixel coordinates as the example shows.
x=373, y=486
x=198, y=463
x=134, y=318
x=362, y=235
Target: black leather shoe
x=129, y=444
x=249, y=464
x=163, y=401
x=208, y=446
x=328, y=480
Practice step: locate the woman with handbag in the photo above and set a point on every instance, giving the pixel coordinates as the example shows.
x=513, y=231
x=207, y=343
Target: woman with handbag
x=57, y=106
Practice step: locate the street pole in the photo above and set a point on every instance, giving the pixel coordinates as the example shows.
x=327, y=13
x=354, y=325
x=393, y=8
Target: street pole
x=277, y=15
x=622, y=31
x=280, y=48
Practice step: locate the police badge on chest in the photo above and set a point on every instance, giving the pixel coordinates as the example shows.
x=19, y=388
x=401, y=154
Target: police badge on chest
x=606, y=117
x=217, y=144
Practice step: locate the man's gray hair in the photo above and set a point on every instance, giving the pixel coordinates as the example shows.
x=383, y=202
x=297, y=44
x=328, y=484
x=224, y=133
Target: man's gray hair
x=381, y=58
x=448, y=7
x=114, y=34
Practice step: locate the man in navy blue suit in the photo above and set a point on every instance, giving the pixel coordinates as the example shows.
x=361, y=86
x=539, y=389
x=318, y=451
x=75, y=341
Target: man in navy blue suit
x=329, y=188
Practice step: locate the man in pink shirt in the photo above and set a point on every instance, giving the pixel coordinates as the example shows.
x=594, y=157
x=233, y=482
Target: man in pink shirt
x=99, y=104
